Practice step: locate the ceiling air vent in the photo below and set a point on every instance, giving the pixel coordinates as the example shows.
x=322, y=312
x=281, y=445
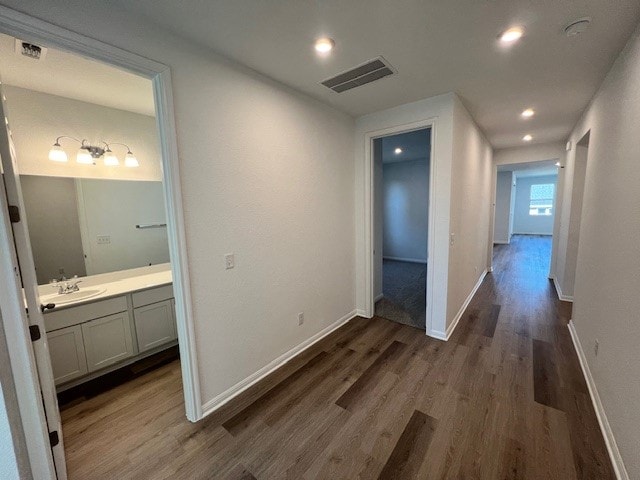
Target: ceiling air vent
x=361, y=75
x=30, y=50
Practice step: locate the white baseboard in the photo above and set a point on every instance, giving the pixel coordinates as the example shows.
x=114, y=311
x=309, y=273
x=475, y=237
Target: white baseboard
x=440, y=335
x=219, y=400
x=402, y=259
x=379, y=297
x=607, y=433
x=561, y=296
x=362, y=313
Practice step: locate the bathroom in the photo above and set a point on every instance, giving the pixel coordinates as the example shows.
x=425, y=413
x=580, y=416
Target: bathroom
x=89, y=167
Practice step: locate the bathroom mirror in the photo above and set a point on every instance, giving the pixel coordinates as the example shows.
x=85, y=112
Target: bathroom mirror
x=81, y=226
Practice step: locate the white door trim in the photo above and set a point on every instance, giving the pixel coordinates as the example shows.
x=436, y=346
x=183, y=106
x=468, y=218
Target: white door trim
x=37, y=31
x=369, y=212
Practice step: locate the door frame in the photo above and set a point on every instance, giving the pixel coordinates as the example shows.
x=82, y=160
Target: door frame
x=37, y=31
x=369, y=213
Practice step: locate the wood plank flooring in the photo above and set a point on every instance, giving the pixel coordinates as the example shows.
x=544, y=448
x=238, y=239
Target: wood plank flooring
x=503, y=399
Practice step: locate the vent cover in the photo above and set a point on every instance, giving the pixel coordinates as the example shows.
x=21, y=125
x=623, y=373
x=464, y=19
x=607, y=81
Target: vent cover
x=361, y=75
x=30, y=50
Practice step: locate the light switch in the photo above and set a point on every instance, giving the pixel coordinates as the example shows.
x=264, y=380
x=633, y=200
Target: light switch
x=229, y=260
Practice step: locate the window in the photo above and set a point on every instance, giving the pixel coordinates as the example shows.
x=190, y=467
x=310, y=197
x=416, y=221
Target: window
x=541, y=199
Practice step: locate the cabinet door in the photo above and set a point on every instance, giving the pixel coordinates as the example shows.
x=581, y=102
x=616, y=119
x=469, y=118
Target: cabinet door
x=107, y=340
x=66, y=349
x=155, y=325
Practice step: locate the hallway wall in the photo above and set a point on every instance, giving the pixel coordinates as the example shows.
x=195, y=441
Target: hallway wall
x=606, y=300
x=470, y=212
x=502, y=227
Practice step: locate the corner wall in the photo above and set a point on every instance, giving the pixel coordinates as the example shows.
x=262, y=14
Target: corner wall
x=607, y=282
x=470, y=211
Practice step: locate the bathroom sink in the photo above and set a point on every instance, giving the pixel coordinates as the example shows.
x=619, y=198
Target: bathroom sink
x=61, y=299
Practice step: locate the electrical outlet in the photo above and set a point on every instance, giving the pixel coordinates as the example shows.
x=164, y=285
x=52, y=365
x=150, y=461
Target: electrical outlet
x=103, y=239
x=300, y=318
x=596, y=346
x=452, y=239
x=475, y=269
x=229, y=260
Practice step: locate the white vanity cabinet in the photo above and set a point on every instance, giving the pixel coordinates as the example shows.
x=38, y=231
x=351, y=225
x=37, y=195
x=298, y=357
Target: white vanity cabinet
x=107, y=340
x=68, y=359
x=155, y=325
x=88, y=338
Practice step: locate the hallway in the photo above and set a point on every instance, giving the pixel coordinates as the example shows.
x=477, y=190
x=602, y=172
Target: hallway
x=504, y=398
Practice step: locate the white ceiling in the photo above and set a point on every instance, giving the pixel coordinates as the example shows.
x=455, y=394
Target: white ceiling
x=531, y=169
x=415, y=145
x=72, y=76
x=437, y=46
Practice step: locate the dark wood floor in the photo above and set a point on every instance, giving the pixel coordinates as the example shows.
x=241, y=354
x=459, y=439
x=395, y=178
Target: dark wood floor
x=504, y=398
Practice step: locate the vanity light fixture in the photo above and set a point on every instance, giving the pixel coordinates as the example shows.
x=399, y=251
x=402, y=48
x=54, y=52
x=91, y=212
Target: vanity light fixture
x=88, y=154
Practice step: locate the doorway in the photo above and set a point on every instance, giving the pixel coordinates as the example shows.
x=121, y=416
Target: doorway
x=34, y=369
x=401, y=218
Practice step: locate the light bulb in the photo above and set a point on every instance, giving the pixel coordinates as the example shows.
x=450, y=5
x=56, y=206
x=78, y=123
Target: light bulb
x=110, y=159
x=130, y=160
x=84, y=157
x=57, y=154
x=324, y=45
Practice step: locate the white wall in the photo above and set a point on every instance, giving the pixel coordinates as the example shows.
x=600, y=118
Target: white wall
x=440, y=110
x=37, y=119
x=526, y=224
x=472, y=184
x=406, y=210
x=530, y=153
x=52, y=216
x=266, y=173
x=606, y=300
x=114, y=208
x=502, y=227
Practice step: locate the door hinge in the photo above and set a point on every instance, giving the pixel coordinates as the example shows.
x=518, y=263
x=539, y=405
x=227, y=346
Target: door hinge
x=14, y=214
x=54, y=439
x=34, y=330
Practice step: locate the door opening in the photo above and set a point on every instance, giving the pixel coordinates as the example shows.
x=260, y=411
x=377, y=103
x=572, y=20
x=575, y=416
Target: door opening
x=401, y=226
x=105, y=322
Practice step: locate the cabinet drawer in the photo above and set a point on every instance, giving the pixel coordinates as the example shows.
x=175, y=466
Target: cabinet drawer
x=107, y=340
x=153, y=295
x=57, y=319
x=155, y=325
x=68, y=360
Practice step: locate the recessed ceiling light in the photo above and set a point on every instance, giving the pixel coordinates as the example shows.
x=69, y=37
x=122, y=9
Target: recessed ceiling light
x=324, y=45
x=511, y=35
x=398, y=151
x=529, y=112
x=527, y=138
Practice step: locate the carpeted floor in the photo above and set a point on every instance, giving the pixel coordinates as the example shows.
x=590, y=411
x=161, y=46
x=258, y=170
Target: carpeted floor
x=404, y=286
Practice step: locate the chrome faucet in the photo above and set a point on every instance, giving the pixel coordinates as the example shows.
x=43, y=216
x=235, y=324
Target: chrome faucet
x=68, y=286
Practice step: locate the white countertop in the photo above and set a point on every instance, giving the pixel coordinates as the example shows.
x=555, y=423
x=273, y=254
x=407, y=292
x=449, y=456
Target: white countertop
x=119, y=284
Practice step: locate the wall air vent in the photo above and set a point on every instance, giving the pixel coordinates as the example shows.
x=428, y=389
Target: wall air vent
x=30, y=50
x=361, y=75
